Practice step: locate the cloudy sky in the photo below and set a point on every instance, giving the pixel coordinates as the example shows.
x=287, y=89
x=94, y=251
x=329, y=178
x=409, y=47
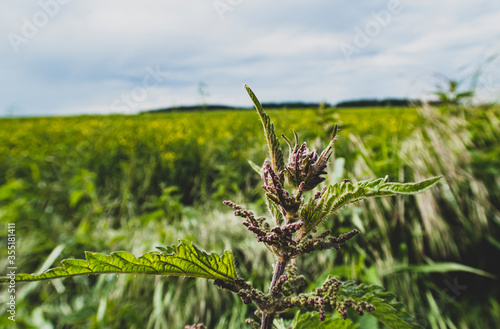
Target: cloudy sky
x=63, y=57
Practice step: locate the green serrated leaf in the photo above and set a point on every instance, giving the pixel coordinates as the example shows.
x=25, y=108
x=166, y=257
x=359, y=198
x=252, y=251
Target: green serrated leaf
x=338, y=195
x=280, y=323
x=255, y=167
x=381, y=188
x=388, y=310
x=277, y=161
x=181, y=260
x=311, y=320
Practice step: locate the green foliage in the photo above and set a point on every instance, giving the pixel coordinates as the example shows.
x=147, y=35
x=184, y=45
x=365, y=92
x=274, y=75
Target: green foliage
x=449, y=94
x=338, y=195
x=181, y=260
x=388, y=310
x=311, y=320
x=304, y=171
x=130, y=159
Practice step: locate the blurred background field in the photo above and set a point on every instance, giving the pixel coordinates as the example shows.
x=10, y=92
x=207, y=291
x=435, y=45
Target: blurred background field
x=107, y=183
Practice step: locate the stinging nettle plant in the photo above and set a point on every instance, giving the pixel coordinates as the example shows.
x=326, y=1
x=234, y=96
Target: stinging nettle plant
x=291, y=233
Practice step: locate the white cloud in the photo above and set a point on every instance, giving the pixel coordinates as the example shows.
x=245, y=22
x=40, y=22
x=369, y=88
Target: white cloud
x=90, y=53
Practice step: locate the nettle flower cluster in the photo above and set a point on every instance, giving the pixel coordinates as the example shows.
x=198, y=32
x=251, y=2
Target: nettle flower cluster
x=290, y=238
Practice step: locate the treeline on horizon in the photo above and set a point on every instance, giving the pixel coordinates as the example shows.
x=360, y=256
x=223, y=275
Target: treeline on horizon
x=388, y=102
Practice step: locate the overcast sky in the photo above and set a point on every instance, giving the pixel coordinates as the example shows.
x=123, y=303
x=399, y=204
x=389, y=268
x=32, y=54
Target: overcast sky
x=63, y=57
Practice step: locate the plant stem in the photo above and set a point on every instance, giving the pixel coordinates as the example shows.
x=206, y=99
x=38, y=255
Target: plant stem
x=279, y=268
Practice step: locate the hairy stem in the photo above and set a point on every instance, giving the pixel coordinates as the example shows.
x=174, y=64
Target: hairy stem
x=279, y=268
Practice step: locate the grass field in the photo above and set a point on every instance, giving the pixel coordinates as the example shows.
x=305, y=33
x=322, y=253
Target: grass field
x=107, y=183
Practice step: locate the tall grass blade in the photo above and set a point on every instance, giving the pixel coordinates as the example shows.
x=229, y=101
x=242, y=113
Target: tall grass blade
x=440, y=268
